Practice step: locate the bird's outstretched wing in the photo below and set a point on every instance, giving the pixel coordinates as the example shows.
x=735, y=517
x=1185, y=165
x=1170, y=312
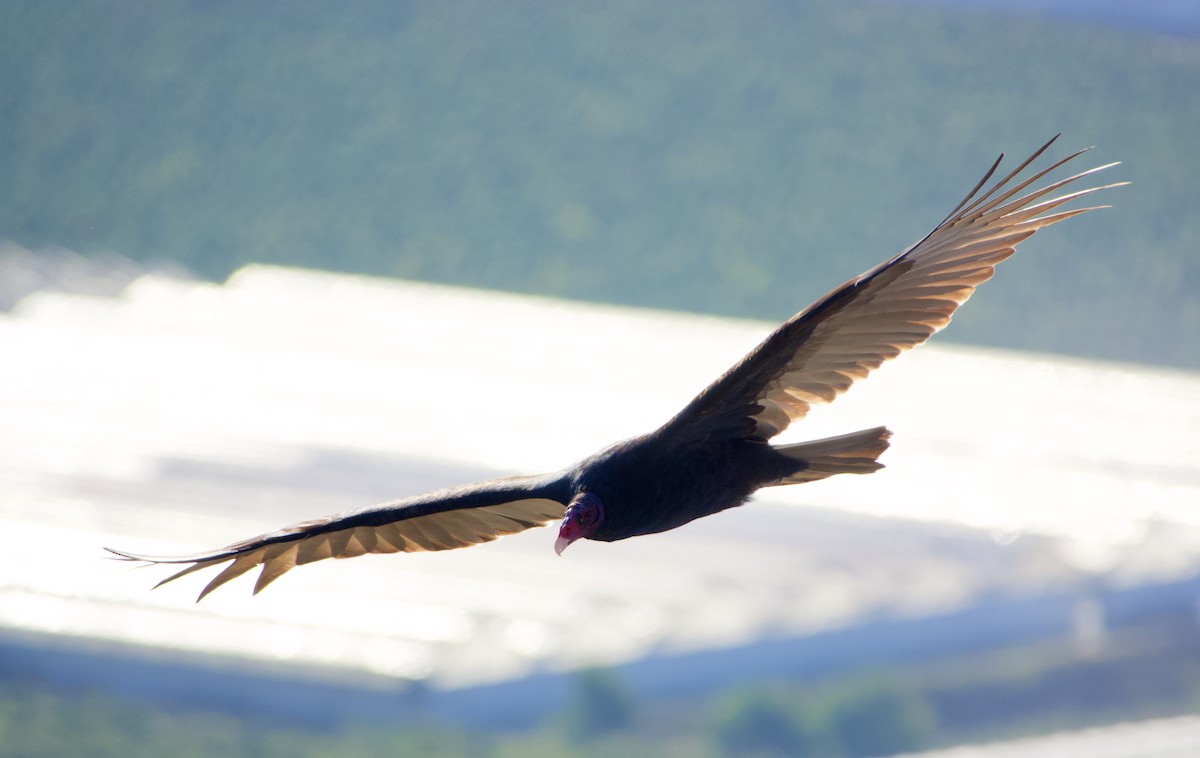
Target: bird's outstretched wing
x=818, y=353
x=440, y=520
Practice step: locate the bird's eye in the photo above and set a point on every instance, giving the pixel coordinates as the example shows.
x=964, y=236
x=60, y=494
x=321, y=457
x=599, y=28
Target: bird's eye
x=587, y=516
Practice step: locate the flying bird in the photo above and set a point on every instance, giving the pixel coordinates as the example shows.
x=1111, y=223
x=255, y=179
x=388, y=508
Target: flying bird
x=715, y=452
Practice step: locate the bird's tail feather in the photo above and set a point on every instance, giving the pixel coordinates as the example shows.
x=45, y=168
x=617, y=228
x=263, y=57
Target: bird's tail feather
x=853, y=453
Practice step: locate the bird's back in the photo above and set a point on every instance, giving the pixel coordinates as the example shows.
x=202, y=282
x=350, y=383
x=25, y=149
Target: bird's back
x=649, y=485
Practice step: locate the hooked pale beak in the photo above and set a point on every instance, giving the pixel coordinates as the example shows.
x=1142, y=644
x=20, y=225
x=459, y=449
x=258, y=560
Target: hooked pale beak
x=566, y=535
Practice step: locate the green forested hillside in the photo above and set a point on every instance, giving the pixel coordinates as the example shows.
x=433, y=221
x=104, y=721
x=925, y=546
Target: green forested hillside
x=737, y=158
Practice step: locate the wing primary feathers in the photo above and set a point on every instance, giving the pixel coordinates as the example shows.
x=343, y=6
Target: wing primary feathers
x=440, y=520
x=973, y=214
x=962, y=208
x=1054, y=218
x=277, y=560
x=978, y=186
x=974, y=207
x=186, y=571
x=889, y=309
x=1053, y=203
x=240, y=565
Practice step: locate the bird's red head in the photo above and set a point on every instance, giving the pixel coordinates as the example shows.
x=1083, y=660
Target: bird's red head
x=584, y=515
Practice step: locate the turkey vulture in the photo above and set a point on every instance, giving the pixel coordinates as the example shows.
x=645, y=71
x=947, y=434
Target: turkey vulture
x=715, y=452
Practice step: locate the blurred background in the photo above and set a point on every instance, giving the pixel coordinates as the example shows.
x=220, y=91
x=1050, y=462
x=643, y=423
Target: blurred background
x=263, y=262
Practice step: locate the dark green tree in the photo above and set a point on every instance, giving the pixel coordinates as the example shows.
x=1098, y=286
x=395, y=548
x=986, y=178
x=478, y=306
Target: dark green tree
x=600, y=706
x=881, y=717
x=764, y=723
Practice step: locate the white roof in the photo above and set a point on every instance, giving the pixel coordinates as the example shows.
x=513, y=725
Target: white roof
x=1156, y=738
x=185, y=415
